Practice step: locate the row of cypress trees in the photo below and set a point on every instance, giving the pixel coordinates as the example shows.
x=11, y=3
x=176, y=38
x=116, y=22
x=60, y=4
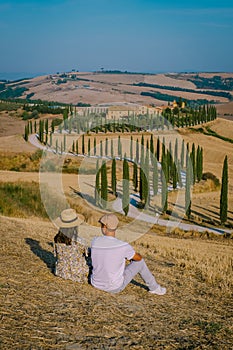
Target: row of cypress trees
x=98, y=123
x=146, y=178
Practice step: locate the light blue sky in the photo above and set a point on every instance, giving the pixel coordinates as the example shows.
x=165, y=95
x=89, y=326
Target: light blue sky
x=134, y=35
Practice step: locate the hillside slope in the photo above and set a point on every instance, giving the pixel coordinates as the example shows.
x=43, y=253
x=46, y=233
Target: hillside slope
x=41, y=311
x=100, y=88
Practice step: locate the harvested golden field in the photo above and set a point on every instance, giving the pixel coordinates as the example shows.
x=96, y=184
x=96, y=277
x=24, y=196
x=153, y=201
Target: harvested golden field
x=222, y=128
x=10, y=124
x=214, y=148
x=41, y=311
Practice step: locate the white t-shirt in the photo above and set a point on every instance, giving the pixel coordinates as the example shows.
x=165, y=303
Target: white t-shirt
x=108, y=256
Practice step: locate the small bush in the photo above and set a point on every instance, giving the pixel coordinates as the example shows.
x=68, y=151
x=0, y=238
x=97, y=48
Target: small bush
x=212, y=177
x=36, y=155
x=26, y=115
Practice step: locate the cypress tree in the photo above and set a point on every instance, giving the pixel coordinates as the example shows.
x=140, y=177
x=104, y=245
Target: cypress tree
x=188, y=186
x=77, y=146
x=119, y=146
x=51, y=140
x=198, y=164
x=201, y=162
x=89, y=147
x=147, y=178
x=182, y=155
x=164, y=165
x=137, y=151
x=112, y=149
x=26, y=133
x=158, y=149
x=151, y=149
x=94, y=146
x=174, y=176
x=131, y=147
x=40, y=130
x=224, y=193
x=141, y=173
x=83, y=145
x=101, y=148
x=169, y=162
x=142, y=150
x=179, y=174
x=46, y=126
x=163, y=149
x=155, y=177
x=187, y=154
x=114, y=176
x=125, y=197
x=97, y=183
x=106, y=147
x=176, y=151
x=104, y=186
x=164, y=191
x=135, y=175
x=193, y=160
x=64, y=143
x=73, y=145
x=46, y=139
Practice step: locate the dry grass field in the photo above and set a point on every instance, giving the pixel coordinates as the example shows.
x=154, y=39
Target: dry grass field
x=41, y=311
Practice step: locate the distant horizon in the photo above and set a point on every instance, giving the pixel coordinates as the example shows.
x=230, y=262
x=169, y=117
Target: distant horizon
x=13, y=76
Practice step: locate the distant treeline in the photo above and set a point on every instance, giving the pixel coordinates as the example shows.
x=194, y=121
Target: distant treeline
x=216, y=82
x=171, y=98
x=121, y=72
x=9, y=93
x=44, y=108
x=175, y=88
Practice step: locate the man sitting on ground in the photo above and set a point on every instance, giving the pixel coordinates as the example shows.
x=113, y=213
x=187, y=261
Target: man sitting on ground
x=108, y=256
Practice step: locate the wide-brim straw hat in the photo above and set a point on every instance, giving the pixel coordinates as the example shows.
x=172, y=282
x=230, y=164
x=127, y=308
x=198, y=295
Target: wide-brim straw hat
x=69, y=218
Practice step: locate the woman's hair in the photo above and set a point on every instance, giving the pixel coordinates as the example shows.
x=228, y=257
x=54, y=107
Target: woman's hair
x=65, y=235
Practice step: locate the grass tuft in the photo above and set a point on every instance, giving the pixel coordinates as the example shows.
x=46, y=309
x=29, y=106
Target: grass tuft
x=23, y=199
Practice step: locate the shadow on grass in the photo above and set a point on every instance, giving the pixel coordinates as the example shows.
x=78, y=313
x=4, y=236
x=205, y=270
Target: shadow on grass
x=138, y=284
x=46, y=256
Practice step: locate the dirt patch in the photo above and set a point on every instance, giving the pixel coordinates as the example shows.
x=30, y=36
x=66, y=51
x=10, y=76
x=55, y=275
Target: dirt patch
x=15, y=143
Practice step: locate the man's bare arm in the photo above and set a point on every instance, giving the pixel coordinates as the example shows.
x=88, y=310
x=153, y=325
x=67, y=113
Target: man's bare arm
x=136, y=257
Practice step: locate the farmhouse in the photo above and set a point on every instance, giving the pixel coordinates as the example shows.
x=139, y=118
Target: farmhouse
x=118, y=112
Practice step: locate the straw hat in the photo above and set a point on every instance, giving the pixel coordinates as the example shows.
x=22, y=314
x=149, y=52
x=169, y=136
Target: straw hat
x=69, y=218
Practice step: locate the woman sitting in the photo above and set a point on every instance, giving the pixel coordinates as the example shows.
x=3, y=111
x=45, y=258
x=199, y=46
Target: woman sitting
x=71, y=251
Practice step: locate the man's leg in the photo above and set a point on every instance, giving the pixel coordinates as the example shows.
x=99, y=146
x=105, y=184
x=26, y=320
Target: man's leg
x=140, y=267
